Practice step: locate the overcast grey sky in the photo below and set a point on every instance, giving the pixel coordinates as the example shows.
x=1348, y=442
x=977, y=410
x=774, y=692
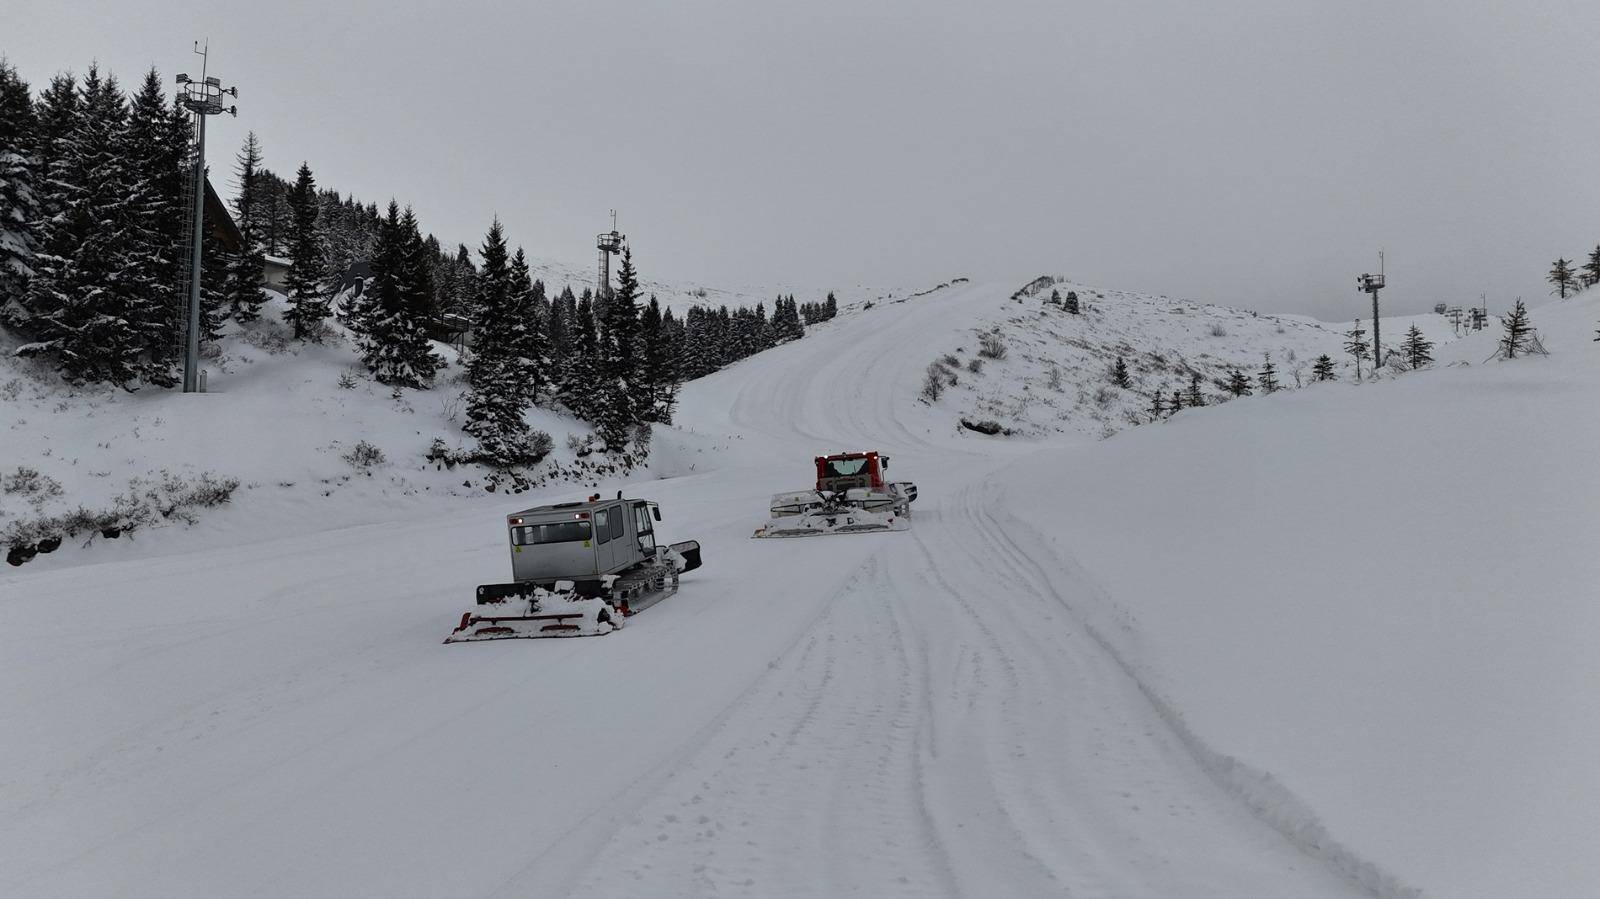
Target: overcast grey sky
x=1252, y=153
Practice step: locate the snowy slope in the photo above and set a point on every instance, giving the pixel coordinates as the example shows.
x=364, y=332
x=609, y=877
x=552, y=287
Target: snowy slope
x=1056, y=374
x=1383, y=596
x=276, y=420
x=893, y=714
x=1146, y=666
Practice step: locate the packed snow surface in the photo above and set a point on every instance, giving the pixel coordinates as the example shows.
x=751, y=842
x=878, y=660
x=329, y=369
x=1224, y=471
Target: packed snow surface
x=1331, y=642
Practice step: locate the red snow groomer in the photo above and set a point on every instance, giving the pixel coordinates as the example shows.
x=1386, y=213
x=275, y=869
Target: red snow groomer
x=851, y=497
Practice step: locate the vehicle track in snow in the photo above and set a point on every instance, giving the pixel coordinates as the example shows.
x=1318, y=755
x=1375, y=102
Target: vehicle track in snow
x=947, y=698
x=914, y=713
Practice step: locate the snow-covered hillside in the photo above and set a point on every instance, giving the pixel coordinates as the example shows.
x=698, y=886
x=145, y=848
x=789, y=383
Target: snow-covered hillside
x=1056, y=374
x=1288, y=646
x=1380, y=600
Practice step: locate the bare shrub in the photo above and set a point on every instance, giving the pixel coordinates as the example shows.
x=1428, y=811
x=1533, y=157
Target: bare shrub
x=975, y=365
x=269, y=341
x=450, y=405
x=990, y=346
x=347, y=380
x=1217, y=330
x=933, y=384
x=1054, y=379
x=950, y=360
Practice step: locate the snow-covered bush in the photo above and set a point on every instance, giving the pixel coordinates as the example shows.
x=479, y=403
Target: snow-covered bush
x=29, y=483
x=364, y=456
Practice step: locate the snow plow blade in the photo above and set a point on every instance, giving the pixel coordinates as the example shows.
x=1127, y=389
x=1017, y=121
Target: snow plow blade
x=819, y=522
x=521, y=611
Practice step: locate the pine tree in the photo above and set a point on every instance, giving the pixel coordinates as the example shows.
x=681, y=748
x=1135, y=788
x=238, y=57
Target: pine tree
x=581, y=393
x=1238, y=383
x=1072, y=302
x=527, y=335
x=1356, y=345
x=1268, y=376
x=85, y=290
x=1517, y=330
x=1055, y=296
x=1196, y=398
x=156, y=147
x=1563, y=277
x=1157, y=407
x=393, y=322
x=243, y=287
x=1591, y=269
x=1418, y=349
x=495, y=402
x=308, y=298
x=1177, y=403
x=657, y=382
x=1119, y=374
x=56, y=121
x=1323, y=369
x=19, y=207
x=618, y=368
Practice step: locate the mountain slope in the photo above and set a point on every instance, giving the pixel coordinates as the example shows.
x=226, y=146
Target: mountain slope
x=893, y=713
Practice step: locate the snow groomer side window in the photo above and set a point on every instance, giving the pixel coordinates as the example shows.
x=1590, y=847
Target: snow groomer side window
x=560, y=532
x=602, y=530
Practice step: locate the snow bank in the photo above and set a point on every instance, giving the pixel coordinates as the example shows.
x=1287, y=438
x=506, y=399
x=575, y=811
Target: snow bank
x=1382, y=595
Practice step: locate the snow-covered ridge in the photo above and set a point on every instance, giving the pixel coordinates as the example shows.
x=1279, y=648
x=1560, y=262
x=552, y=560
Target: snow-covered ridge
x=1056, y=372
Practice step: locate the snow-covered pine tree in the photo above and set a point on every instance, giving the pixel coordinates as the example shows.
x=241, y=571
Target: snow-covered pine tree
x=157, y=149
x=830, y=306
x=1355, y=343
x=56, y=118
x=528, y=333
x=1196, y=397
x=1418, y=349
x=558, y=338
x=658, y=370
x=1323, y=369
x=618, y=393
x=243, y=286
x=275, y=215
x=1072, y=302
x=306, y=282
x=394, y=341
x=1563, y=277
x=495, y=402
x=84, y=291
x=1176, y=405
x=1238, y=383
x=1119, y=374
x=579, y=387
x=19, y=208
x=1268, y=376
x=1158, y=406
x=1517, y=328
x=1591, y=269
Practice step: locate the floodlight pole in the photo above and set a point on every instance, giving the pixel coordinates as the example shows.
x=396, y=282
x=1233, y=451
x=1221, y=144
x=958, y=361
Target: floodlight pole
x=203, y=98
x=191, y=346
x=1372, y=284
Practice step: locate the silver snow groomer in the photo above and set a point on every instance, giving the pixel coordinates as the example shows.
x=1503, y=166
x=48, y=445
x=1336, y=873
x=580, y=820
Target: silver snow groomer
x=578, y=569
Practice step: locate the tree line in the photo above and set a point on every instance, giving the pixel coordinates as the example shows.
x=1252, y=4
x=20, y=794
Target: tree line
x=93, y=268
